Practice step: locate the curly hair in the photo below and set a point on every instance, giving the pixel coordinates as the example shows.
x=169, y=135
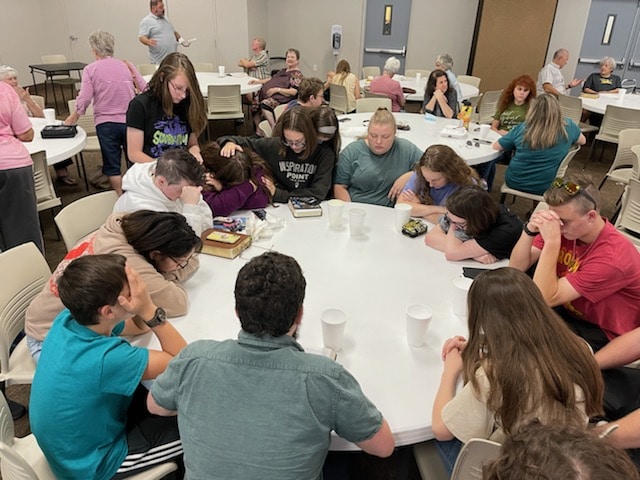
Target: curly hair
x=507, y=97
x=443, y=159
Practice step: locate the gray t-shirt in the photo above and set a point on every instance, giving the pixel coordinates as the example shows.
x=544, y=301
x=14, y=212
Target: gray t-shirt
x=160, y=30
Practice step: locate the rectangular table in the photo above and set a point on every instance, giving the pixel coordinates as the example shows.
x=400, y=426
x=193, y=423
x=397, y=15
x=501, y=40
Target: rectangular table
x=51, y=69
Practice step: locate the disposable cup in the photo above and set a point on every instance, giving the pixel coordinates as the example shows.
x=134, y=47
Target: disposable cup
x=484, y=131
x=621, y=93
x=418, y=319
x=221, y=70
x=461, y=287
x=335, y=208
x=356, y=222
x=333, y=322
x=403, y=214
x=49, y=115
x=418, y=78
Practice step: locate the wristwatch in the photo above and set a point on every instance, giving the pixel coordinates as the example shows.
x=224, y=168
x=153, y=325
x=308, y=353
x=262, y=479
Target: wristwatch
x=158, y=319
x=527, y=231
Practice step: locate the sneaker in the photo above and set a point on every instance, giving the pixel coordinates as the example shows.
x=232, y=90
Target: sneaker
x=67, y=181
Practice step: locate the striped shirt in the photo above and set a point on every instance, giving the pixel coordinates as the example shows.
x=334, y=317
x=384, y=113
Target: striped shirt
x=262, y=69
x=108, y=82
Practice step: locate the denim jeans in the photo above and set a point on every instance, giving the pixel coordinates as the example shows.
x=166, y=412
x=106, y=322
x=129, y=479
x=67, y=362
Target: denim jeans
x=112, y=137
x=449, y=451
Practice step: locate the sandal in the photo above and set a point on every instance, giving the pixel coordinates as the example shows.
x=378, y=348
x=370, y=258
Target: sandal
x=68, y=181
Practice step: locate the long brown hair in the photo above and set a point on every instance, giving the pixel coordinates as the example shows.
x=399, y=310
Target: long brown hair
x=236, y=169
x=532, y=360
x=175, y=64
x=443, y=159
x=343, y=69
x=507, y=94
x=297, y=120
x=544, y=123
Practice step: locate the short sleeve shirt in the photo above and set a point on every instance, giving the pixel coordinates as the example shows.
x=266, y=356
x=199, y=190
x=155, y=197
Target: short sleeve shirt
x=13, y=121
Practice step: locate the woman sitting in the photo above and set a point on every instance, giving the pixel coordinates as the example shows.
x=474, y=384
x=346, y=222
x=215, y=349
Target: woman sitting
x=160, y=246
x=541, y=142
x=444, y=62
x=327, y=127
x=343, y=76
x=374, y=169
x=234, y=183
x=169, y=114
x=440, y=99
x=521, y=363
x=475, y=227
x=280, y=88
x=439, y=173
x=604, y=80
x=386, y=85
x=299, y=164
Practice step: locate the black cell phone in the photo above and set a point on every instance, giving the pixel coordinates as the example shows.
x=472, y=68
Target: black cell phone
x=261, y=214
x=345, y=119
x=471, y=272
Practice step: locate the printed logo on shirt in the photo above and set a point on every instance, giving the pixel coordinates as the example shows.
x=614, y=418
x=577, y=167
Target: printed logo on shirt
x=606, y=81
x=80, y=250
x=297, y=173
x=567, y=261
x=170, y=132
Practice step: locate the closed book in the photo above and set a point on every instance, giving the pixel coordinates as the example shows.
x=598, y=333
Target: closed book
x=224, y=244
x=305, y=207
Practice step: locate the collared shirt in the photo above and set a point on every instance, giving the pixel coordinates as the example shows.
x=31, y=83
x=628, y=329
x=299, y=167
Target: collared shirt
x=160, y=30
x=262, y=69
x=260, y=407
x=551, y=74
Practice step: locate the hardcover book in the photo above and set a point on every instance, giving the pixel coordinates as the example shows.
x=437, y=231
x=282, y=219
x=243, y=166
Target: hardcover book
x=224, y=244
x=305, y=207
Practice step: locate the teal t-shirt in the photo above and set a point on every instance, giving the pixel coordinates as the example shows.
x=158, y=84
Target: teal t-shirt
x=81, y=392
x=369, y=177
x=532, y=171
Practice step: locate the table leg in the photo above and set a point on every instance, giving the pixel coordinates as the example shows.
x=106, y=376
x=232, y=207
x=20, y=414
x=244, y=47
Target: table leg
x=53, y=87
x=35, y=85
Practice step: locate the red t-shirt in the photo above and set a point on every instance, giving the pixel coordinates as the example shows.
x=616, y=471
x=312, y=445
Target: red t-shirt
x=606, y=274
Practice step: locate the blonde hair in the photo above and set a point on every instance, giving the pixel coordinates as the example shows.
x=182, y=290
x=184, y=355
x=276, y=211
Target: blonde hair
x=544, y=123
x=382, y=116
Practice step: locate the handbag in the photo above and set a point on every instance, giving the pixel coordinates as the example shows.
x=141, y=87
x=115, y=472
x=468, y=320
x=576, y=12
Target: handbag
x=59, y=131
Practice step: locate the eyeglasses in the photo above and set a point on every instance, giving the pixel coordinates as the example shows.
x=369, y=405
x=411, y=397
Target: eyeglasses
x=573, y=189
x=460, y=225
x=298, y=144
x=180, y=89
x=473, y=144
x=183, y=263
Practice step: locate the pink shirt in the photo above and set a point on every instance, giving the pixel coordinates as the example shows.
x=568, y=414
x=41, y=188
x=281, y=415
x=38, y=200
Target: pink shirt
x=109, y=84
x=389, y=87
x=13, y=121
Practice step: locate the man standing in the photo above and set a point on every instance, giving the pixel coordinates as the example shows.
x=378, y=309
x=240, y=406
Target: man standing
x=170, y=184
x=586, y=268
x=157, y=33
x=550, y=78
x=260, y=407
x=258, y=65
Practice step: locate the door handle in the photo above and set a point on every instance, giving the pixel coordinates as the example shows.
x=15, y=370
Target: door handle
x=391, y=51
x=633, y=63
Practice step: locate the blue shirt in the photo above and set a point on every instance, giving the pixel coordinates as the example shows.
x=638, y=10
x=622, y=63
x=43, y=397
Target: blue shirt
x=438, y=195
x=81, y=392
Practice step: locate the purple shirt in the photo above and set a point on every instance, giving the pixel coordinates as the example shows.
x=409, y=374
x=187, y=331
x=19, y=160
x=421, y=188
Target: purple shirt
x=238, y=197
x=108, y=82
x=391, y=88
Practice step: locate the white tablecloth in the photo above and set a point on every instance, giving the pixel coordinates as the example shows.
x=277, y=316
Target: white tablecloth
x=58, y=149
x=213, y=78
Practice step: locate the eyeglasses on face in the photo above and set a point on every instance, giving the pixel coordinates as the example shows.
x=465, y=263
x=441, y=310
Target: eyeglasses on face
x=460, y=225
x=182, y=263
x=572, y=189
x=179, y=89
x=292, y=144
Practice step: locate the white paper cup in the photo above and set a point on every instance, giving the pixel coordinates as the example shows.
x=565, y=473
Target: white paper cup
x=333, y=323
x=461, y=287
x=403, y=214
x=484, y=131
x=335, y=208
x=356, y=222
x=621, y=93
x=418, y=78
x=221, y=70
x=49, y=115
x=418, y=319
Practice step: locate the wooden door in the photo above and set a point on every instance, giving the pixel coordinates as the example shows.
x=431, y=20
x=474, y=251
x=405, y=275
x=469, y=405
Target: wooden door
x=511, y=39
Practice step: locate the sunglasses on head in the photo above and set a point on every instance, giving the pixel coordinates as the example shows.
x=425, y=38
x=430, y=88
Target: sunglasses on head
x=572, y=189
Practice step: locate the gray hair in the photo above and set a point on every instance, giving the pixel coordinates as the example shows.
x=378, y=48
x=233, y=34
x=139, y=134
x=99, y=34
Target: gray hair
x=392, y=65
x=7, y=72
x=261, y=41
x=560, y=52
x=445, y=60
x=102, y=43
x=610, y=62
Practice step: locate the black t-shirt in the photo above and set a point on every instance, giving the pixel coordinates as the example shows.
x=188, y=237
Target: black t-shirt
x=161, y=132
x=503, y=235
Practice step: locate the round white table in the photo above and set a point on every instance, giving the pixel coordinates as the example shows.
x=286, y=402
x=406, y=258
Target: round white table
x=372, y=279
x=58, y=149
x=425, y=133
x=468, y=91
x=213, y=78
x=599, y=105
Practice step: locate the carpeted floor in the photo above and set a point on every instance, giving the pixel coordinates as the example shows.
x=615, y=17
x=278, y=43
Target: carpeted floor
x=401, y=464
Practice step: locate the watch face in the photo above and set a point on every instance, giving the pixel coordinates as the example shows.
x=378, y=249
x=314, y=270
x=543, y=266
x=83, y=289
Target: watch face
x=158, y=319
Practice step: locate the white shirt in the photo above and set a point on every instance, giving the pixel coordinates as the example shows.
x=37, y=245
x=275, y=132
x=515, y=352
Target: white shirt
x=551, y=74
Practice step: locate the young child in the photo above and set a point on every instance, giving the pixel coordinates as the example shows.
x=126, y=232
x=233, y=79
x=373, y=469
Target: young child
x=234, y=183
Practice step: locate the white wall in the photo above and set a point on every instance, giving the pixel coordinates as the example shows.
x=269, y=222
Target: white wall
x=257, y=20
x=568, y=30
